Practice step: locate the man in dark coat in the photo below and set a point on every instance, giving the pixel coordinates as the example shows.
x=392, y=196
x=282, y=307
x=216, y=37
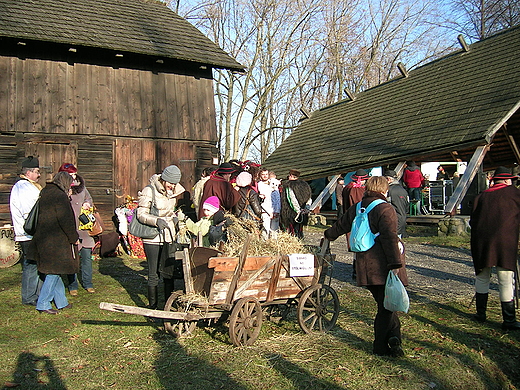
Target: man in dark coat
x=398, y=197
x=495, y=221
x=218, y=185
x=373, y=265
x=353, y=192
x=296, y=199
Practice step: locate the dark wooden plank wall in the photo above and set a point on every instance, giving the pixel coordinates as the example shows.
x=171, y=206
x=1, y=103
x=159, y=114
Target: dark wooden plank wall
x=57, y=97
x=119, y=126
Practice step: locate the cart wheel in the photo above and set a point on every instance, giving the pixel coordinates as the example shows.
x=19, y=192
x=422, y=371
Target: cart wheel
x=318, y=309
x=177, y=328
x=245, y=321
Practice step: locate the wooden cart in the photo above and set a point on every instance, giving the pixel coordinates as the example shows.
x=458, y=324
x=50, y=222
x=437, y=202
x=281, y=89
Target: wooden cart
x=243, y=288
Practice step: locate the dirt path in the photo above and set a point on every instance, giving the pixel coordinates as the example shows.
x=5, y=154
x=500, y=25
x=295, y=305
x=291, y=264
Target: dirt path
x=433, y=271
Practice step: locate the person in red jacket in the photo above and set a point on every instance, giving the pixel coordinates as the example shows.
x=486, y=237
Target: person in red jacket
x=414, y=181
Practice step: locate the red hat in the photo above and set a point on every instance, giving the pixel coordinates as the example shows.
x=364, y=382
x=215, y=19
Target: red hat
x=69, y=168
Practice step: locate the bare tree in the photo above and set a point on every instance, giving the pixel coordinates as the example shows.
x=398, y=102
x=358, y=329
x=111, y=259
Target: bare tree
x=478, y=19
x=303, y=54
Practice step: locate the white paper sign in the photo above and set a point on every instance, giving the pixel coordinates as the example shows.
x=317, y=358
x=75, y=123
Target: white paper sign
x=301, y=264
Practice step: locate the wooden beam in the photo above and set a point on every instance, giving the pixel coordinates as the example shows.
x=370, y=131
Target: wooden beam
x=512, y=143
x=324, y=195
x=399, y=169
x=466, y=179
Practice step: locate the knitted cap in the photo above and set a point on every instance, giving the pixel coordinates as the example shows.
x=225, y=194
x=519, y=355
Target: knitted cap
x=30, y=162
x=69, y=168
x=212, y=204
x=171, y=174
x=244, y=179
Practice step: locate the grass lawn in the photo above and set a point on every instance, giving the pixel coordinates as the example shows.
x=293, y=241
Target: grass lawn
x=88, y=348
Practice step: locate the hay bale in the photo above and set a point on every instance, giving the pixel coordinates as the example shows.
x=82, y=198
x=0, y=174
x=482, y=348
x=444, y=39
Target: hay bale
x=241, y=229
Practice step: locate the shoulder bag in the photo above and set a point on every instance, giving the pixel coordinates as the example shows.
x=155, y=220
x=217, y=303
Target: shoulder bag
x=139, y=229
x=32, y=219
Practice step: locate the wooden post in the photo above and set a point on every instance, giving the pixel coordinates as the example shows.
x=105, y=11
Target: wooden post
x=467, y=177
x=327, y=191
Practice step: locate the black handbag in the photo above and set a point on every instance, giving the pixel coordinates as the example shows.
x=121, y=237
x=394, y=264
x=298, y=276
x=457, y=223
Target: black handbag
x=32, y=219
x=139, y=229
x=169, y=266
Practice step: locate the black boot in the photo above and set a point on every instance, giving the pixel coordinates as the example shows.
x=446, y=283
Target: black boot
x=152, y=297
x=509, y=316
x=481, y=301
x=168, y=288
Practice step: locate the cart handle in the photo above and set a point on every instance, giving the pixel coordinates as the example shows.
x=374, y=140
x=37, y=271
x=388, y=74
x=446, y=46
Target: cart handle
x=325, y=243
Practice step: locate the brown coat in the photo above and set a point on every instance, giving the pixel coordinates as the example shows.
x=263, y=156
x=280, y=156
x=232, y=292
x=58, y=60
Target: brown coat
x=373, y=265
x=494, y=225
x=223, y=190
x=56, y=233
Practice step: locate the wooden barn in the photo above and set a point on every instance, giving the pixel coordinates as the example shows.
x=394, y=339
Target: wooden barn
x=119, y=88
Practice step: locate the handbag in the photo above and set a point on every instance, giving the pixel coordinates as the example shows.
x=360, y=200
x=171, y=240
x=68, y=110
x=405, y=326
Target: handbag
x=396, y=297
x=139, y=229
x=169, y=266
x=98, y=227
x=32, y=219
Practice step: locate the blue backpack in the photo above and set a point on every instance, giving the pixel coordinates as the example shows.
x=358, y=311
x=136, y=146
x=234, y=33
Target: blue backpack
x=361, y=237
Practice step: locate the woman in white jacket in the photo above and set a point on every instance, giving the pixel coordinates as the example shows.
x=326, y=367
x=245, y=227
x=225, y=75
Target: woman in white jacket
x=161, y=194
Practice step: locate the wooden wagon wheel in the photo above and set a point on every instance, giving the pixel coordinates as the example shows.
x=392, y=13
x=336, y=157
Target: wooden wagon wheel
x=318, y=309
x=178, y=328
x=245, y=321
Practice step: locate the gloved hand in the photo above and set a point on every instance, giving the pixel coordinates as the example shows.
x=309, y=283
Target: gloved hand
x=228, y=222
x=161, y=224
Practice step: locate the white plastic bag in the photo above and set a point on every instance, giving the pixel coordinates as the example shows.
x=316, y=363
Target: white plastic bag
x=396, y=297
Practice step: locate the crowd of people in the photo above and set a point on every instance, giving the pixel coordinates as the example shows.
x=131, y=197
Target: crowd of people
x=60, y=246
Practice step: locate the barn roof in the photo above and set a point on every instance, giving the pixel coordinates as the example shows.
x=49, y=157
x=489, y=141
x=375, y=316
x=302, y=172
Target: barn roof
x=134, y=26
x=438, y=112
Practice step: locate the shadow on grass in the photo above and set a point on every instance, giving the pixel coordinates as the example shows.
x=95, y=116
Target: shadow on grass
x=502, y=353
x=35, y=372
x=300, y=378
x=177, y=369
x=134, y=282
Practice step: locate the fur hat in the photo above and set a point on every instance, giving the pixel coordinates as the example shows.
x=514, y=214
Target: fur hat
x=30, y=162
x=212, y=204
x=360, y=174
x=69, y=168
x=171, y=174
x=244, y=179
x=502, y=173
x=225, y=168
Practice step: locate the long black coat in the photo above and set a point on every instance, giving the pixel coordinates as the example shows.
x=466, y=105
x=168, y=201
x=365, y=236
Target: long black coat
x=373, y=265
x=494, y=225
x=55, y=233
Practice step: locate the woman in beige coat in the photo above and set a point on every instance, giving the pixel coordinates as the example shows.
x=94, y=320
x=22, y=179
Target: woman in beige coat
x=161, y=194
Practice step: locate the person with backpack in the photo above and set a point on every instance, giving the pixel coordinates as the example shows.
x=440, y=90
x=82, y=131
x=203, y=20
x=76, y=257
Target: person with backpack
x=374, y=260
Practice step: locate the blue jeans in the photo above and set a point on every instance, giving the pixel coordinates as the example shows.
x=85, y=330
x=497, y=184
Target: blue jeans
x=85, y=258
x=31, y=283
x=53, y=289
